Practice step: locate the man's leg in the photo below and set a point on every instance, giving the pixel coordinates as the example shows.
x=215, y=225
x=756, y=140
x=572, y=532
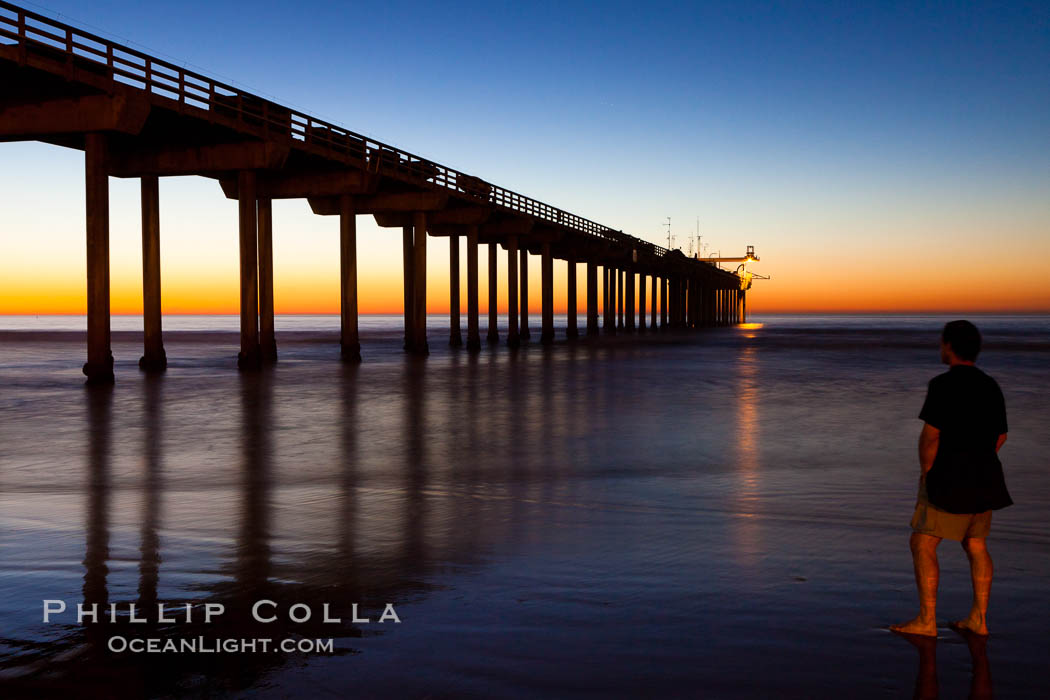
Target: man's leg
x=981, y=576
x=927, y=573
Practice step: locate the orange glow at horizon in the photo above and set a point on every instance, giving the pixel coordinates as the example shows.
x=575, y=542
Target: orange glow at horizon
x=31, y=291
x=42, y=270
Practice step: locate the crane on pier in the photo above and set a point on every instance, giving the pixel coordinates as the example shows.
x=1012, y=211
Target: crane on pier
x=742, y=272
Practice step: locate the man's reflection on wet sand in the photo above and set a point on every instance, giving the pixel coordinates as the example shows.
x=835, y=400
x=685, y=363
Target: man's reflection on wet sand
x=927, y=686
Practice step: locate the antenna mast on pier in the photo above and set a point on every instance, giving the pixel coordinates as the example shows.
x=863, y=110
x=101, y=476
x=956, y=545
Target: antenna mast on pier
x=699, y=250
x=670, y=238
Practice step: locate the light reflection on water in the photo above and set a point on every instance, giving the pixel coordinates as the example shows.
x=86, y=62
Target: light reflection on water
x=746, y=499
x=621, y=516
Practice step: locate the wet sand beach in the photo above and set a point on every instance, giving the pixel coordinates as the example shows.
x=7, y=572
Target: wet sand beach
x=713, y=514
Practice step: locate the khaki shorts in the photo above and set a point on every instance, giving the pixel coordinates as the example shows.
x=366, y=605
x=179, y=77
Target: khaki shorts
x=931, y=520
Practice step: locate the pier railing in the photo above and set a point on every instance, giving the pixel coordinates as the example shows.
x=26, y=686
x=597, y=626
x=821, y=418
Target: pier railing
x=188, y=91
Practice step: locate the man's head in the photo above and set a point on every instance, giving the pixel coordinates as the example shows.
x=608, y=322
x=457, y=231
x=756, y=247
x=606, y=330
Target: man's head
x=960, y=339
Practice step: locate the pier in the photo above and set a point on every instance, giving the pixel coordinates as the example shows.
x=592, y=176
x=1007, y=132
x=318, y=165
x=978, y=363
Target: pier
x=138, y=116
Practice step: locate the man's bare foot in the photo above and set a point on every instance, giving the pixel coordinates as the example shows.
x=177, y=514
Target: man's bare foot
x=974, y=624
x=926, y=628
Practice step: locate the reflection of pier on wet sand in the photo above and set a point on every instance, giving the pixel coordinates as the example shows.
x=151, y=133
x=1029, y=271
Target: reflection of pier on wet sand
x=383, y=541
x=135, y=115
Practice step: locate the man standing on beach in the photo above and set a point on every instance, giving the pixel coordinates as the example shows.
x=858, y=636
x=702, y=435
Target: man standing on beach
x=962, y=479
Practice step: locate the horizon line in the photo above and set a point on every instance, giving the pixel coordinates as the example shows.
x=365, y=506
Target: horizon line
x=878, y=312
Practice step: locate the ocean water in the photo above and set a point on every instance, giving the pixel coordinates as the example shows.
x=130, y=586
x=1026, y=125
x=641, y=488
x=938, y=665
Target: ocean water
x=721, y=513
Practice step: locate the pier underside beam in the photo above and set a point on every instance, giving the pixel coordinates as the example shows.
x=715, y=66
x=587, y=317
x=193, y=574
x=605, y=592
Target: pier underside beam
x=385, y=203
x=89, y=114
x=163, y=161
x=326, y=187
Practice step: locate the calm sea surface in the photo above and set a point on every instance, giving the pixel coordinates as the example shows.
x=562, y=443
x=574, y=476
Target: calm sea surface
x=718, y=514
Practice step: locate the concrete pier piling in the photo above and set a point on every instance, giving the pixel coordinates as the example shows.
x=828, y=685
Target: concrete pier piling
x=683, y=302
x=523, y=331
x=663, y=302
x=419, y=285
x=455, y=338
x=249, y=357
x=671, y=286
x=694, y=304
x=153, y=358
x=546, y=295
x=513, y=339
x=493, y=331
x=641, y=302
x=629, y=300
x=673, y=300
x=571, y=330
x=349, y=341
x=473, y=332
x=99, y=366
x=652, y=303
x=408, y=258
x=267, y=339
x=608, y=325
x=592, y=298
x=621, y=282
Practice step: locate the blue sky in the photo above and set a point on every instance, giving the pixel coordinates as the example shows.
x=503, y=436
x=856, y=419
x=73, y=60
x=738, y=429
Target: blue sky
x=885, y=130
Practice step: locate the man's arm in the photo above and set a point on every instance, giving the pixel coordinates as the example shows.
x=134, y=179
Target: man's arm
x=1000, y=441
x=929, y=440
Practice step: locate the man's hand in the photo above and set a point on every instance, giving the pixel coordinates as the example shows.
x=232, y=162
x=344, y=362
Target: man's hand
x=929, y=440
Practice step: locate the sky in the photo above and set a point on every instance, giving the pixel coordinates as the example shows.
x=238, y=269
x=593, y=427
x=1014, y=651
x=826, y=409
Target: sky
x=880, y=157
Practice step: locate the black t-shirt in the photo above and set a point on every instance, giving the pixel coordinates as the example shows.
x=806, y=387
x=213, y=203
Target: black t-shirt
x=967, y=406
